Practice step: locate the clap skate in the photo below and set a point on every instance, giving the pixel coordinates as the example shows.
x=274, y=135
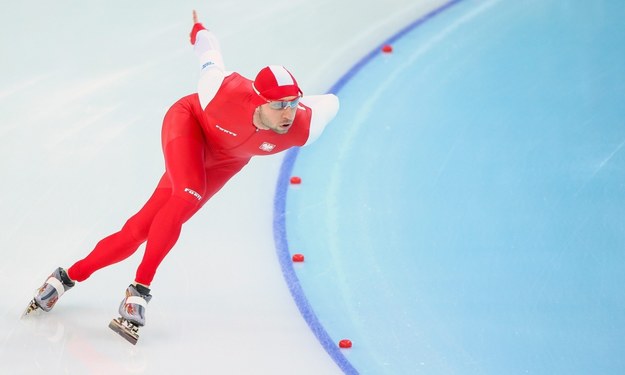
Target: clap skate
x=132, y=313
x=32, y=306
x=49, y=293
x=125, y=329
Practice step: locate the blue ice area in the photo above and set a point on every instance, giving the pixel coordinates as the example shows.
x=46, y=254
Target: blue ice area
x=464, y=212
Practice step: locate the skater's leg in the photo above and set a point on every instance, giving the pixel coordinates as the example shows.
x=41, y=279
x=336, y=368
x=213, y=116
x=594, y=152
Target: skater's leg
x=124, y=243
x=184, y=158
x=184, y=151
x=174, y=214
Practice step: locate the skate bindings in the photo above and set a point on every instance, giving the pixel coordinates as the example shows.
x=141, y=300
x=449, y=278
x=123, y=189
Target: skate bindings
x=132, y=313
x=50, y=292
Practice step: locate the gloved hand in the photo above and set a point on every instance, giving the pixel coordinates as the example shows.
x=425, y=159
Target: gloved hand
x=197, y=27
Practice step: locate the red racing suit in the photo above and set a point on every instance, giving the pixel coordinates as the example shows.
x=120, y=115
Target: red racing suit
x=203, y=148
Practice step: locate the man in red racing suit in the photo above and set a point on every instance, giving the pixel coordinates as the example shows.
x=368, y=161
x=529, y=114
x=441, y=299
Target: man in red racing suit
x=207, y=138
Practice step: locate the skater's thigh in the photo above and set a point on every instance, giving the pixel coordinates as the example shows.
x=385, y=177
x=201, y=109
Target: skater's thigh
x=184, y=162
x=183, y=148
x=179, y=122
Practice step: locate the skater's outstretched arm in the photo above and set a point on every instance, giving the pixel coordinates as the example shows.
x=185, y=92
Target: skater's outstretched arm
x=206, y=47
x=324, y=109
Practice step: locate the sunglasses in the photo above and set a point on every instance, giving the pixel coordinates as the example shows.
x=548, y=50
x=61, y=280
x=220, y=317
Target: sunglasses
x=283, y=104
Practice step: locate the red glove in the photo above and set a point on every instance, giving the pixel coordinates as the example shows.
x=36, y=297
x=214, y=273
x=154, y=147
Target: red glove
x=196, y=29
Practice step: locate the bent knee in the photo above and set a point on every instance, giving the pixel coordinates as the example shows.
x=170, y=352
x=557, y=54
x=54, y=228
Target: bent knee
x=136, y=228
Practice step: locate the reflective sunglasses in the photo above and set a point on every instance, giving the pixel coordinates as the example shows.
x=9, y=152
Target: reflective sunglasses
x=279, y=105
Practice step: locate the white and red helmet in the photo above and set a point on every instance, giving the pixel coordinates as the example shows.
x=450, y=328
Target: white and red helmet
x=274, y=82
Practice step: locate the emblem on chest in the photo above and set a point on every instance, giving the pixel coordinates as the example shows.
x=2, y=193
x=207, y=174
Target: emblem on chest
x=267, y=147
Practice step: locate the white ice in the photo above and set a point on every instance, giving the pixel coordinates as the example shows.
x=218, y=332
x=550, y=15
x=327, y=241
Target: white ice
x=83, y=89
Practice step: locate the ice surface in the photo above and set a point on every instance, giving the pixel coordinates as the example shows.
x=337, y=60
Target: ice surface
x=83, y=89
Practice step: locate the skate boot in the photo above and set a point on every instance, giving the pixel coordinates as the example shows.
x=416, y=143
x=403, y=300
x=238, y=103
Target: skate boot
x=133, y=306
x=50, y=292
x=132, y=311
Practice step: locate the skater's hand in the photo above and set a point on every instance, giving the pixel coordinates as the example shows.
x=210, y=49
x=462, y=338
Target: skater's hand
x=195, y=17
x=197, y=26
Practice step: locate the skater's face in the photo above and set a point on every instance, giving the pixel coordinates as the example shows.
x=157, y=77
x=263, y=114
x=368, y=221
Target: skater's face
x=277, y=115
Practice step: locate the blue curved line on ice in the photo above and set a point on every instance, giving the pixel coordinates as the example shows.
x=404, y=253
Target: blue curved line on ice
x=279, y=223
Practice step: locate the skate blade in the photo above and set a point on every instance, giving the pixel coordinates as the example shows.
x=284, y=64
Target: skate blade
x=125, y=329
x=32, y=306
